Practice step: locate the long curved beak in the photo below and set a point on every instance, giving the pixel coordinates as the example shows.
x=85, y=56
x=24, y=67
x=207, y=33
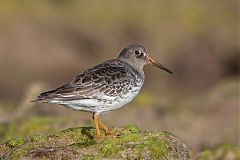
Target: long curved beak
x=158, y=65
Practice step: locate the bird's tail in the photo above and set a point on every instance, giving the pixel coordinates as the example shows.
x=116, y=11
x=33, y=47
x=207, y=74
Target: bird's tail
x=45, y=97
x=40, y=100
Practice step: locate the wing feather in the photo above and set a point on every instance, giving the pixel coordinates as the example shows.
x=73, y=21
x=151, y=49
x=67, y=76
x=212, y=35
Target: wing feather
x=100, y=82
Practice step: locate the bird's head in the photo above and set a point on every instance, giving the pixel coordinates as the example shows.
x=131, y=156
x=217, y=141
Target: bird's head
x=138, y=56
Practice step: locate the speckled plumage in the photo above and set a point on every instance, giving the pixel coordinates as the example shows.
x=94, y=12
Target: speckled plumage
x=105, y=87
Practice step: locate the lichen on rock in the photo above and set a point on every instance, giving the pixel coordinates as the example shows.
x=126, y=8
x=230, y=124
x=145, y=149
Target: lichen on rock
x=127, y=142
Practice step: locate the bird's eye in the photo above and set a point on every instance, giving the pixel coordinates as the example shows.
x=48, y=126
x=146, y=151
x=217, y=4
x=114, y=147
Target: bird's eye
x=137, y=53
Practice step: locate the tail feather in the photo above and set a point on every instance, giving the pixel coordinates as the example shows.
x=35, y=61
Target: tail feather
x=58, y=95
x=41, y=100
x=44, y=97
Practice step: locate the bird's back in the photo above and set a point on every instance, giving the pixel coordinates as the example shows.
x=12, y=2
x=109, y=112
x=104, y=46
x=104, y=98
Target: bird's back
x=105, y=87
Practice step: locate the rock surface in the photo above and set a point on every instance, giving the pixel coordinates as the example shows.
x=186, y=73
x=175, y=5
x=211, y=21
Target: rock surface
x=127, y=142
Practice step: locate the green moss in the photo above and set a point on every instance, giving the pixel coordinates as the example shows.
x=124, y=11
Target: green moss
x=79, y=136
x=19, y=153
x=111, y=147
x=38, y=138
x=130, y=138
x=126, y=143
x=129, y=133
x=158, y=148
x=130, y=129
x=15, y=142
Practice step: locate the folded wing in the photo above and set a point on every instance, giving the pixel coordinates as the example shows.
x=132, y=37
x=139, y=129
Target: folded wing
x=104, y=81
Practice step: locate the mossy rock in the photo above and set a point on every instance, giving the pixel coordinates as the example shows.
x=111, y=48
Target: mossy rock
x=127, y=142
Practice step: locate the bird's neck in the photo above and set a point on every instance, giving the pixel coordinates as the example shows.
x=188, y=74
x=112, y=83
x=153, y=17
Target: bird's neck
x=136, y=67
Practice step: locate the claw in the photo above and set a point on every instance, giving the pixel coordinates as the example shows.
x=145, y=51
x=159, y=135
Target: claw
x=98, y=124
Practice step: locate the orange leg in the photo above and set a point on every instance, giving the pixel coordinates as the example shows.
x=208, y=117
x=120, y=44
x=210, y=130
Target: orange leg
x=107, y=131
x=98, y=124
x=95, y=119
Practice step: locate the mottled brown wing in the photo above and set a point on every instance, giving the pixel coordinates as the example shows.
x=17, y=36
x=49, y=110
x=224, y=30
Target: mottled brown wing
x=100, y=82
x=63, y=93
x=105, y=80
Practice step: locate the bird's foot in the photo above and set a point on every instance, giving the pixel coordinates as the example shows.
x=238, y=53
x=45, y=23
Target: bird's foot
x=100, y=136
x=108, y=132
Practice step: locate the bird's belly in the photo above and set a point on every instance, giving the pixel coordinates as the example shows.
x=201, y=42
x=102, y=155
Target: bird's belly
x=106, y=103
x=88, y=105
x=99, y=106
x=120, y=101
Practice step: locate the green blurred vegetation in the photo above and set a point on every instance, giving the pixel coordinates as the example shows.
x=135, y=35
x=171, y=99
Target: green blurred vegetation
x=45, y=43
x=224, y=152
x=32, y=126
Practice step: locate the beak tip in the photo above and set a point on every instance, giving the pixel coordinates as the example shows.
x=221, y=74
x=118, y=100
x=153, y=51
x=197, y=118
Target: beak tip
x=170, y=72
x=155, y=64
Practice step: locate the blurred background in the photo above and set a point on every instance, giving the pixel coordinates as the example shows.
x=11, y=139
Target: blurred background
x=44, y=44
